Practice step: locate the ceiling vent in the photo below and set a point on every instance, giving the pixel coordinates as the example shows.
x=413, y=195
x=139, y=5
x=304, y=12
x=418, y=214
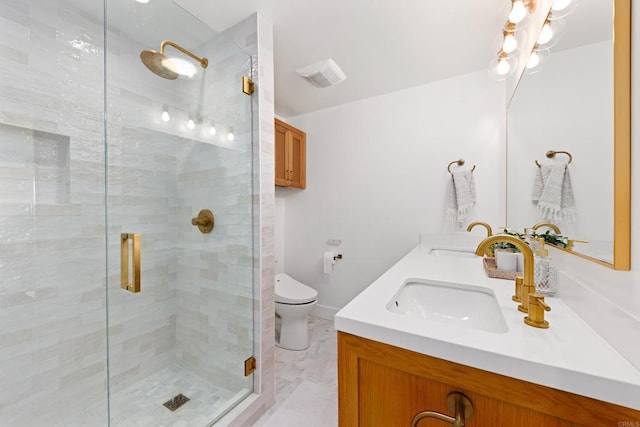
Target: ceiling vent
x=322, y=74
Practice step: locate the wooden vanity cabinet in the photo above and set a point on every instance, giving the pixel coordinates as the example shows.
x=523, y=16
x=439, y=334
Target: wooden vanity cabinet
x=385, y=386
x=290, y=156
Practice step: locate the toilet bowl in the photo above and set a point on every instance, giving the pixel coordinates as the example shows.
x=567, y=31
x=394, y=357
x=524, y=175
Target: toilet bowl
x=294, y=302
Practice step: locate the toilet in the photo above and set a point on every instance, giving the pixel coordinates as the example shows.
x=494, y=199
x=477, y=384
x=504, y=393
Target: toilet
x=294, y=302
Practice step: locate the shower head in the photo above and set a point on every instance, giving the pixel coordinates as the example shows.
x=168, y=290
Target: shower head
x=164, y=67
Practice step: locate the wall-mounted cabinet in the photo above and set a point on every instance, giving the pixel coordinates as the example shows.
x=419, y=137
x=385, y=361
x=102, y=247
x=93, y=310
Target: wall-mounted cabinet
x=290, y=156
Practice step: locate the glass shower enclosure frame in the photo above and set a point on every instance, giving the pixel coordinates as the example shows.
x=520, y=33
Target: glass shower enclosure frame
x=117, y=305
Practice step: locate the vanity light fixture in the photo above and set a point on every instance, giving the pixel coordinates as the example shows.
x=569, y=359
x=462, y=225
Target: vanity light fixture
x=142, y=1
x=165, y=116
x=502, y=66
x=551, y=32
x=191, y=124
x=231, y=135
x=534, y=60
x=509, y=41
x=537, y=56
x=520, y=10
x=546, y=33
x=562, y=8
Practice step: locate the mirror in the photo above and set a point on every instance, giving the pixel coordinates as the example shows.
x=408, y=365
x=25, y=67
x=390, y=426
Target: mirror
x=579, y=103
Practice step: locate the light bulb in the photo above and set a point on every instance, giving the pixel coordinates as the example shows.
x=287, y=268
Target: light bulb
x=143, y=1
x=546, y=34
x=165, y=114
x=212, y=130
x=231, y=136
x=509, y=44
x=191, y=124
x=180, y=66
x=560, y=4
x=503, y=66
x=518, y=11
x=534, y=60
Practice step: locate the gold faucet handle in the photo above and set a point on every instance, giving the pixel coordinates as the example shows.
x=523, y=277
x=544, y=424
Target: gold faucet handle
x=537, y=307
x=204, y=221
x=570, y=243
x=517, y=297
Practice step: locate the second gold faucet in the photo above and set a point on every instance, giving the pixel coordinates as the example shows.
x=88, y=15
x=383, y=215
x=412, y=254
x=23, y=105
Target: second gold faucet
x=526, y=283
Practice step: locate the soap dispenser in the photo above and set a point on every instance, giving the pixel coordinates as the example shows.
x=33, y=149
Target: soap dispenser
x=544, y=271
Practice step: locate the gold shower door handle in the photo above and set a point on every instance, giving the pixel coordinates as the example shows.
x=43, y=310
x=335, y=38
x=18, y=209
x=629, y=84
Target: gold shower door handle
x=125, y=283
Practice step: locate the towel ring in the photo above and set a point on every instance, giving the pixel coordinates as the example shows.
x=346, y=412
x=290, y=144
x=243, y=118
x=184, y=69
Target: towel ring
x=552, y=153
x=460, y=162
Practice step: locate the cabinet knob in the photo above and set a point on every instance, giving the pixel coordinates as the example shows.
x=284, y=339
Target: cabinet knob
x=457, y=403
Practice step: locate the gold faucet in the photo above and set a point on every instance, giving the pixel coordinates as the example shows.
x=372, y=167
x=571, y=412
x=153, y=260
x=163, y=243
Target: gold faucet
x=554, y=227
x=528, y=285
x=484, y=224
x=570, y=243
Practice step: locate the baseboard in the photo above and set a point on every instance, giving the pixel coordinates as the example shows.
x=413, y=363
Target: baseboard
x=324, y=312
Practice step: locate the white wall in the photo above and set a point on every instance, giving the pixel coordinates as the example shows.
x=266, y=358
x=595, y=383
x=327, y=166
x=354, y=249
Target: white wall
x=278, y=229
x=376, y=178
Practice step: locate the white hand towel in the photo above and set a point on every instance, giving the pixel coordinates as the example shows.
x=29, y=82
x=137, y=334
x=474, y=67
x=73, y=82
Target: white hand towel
x=461, y=196
x=553, y=193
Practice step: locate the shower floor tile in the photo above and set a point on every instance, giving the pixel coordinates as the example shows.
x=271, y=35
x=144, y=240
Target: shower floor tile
x=141, y=404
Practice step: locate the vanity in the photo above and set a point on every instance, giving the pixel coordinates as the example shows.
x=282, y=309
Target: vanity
x=393, y=364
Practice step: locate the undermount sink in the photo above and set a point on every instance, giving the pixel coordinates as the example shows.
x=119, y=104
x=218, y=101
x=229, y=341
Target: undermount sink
x=467, y=306
x=452, y=252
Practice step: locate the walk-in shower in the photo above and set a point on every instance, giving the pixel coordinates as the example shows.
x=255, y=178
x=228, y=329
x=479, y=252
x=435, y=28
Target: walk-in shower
x=115, y=309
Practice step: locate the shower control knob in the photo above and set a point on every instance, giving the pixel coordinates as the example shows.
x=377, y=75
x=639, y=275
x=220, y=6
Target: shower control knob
x=204, y=221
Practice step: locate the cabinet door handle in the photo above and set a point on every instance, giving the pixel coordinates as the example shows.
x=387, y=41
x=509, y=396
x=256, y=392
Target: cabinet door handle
x=457, y=403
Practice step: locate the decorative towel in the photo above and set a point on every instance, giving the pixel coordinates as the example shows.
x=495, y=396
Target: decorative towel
x=553, y=193
x=461, y=197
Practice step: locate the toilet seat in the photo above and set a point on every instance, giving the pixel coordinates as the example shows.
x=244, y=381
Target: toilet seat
x=290, y=291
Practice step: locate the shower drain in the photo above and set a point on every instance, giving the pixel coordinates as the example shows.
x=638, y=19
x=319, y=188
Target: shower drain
x=176, y=402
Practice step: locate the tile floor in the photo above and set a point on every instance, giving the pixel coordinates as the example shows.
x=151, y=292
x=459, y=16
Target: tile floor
x=306, y=382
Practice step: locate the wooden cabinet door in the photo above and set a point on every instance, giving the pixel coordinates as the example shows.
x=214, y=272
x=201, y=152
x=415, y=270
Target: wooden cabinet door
x=290, y=156
x=281, y=171
x=298, y=158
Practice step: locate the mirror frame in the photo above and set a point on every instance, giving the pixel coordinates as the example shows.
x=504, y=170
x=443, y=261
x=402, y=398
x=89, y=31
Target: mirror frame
x=622, y=134
x=621, y=140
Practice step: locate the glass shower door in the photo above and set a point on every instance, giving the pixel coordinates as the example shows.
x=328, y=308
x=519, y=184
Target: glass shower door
x=52, y=249
x=180, y=292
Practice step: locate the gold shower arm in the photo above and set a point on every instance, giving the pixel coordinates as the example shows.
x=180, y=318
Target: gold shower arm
x=203, y=61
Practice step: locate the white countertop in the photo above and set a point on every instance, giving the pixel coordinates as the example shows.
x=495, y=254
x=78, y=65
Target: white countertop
x=568, y=356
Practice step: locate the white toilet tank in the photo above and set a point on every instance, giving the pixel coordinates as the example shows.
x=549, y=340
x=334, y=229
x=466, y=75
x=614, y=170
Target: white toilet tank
x=290, y=291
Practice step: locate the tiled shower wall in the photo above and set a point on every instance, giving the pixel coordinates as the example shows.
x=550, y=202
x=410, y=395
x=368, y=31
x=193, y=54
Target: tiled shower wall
x=215, y=283
x=52, y=305
x=52, y=221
